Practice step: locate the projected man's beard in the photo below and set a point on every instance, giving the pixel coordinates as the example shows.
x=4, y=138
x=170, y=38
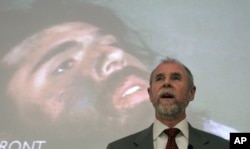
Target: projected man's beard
x=89, y=104
x=121, y=91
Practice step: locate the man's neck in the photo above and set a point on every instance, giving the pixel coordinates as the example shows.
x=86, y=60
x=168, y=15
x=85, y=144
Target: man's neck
x=170, y=121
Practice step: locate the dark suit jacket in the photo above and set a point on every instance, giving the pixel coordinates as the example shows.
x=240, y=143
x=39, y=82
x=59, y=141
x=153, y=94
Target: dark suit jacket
x=144, y=140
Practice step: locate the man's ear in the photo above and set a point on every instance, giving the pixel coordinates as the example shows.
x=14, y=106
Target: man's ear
x=192, y=93
x=149, y=93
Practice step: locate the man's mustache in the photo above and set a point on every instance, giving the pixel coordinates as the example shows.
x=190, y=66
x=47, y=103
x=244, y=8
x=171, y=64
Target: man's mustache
x=110, y=85
x=166, y=91
x=86, y=91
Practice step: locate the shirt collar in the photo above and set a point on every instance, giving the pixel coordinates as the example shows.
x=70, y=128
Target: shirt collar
x=159, y=127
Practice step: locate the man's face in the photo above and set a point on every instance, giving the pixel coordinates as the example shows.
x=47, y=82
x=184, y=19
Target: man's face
x=169, y=91
x=66, y=70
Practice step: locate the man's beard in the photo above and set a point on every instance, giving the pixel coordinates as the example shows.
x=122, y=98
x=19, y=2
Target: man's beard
x=84, y=116
x=174, y=110
x=102, y=116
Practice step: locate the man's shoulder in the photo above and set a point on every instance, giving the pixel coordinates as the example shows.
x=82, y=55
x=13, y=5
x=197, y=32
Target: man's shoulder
x=209, y=135
x=130, y=140
x=130, y=137
x=208, y=138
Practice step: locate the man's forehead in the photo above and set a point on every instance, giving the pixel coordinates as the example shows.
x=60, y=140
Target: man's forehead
x=68, y=26
x=170, y=68
x=52, y=36
x=68, y=31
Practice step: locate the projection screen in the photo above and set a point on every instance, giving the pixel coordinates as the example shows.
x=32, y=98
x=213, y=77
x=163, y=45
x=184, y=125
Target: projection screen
x=74, y=74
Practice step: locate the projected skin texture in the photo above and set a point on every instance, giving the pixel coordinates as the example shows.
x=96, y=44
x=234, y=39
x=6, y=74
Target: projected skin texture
x=60, y=68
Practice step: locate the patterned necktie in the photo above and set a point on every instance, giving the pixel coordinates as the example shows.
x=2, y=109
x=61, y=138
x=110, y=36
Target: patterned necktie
x=172, y=132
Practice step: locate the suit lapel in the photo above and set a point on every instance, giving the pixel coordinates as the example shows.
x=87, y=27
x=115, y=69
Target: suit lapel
x=196, y=139
x=144, y=140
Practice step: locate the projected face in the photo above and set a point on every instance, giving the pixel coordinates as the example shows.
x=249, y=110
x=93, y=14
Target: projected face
x=70, y=69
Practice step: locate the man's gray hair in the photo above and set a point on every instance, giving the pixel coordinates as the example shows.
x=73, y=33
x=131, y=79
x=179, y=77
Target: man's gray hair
x=173, y=60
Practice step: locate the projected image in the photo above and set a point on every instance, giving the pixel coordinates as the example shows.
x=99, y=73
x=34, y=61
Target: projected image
x=65, y=70
x=71, y=75
x=75, y=75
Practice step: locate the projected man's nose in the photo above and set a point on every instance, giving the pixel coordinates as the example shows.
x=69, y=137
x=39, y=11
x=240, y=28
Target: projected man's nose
x=110, y=61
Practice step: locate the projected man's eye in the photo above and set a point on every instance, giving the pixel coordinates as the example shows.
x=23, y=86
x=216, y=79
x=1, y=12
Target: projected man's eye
x=63, y=67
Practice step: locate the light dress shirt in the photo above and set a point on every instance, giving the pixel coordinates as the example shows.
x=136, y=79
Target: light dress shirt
x=160, y=138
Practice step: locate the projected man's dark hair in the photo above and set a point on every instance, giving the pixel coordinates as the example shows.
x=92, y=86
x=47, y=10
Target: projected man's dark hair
x=16, y=25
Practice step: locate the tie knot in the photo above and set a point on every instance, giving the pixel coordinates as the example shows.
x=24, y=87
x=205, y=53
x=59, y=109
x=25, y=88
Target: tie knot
x=172, y=132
